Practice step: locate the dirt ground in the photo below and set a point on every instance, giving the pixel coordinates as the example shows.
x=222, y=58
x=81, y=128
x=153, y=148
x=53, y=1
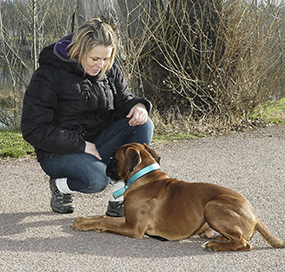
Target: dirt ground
x=32, y=238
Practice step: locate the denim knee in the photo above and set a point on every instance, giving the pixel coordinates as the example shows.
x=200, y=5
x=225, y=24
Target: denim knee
x=95, y=184
x=143, y=133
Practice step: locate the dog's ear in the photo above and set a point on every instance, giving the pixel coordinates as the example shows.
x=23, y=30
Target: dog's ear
x=132, y=158
x=152, y=153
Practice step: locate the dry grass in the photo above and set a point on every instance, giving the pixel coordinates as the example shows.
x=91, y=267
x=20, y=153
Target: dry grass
x=173, y=124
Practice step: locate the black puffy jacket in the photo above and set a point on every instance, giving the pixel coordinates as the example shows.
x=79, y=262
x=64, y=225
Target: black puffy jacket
x=63, y=107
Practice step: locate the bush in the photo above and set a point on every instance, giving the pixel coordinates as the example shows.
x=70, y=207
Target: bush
x=209, y=59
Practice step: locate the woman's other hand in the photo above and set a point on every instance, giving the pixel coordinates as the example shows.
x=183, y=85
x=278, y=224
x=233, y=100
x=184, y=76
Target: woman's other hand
x=91, y=149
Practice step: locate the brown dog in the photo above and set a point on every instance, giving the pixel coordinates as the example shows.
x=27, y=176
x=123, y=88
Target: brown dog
x=158, y=205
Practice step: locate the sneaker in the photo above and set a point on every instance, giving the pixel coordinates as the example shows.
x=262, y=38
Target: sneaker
x=116, y=209
x=60, y=203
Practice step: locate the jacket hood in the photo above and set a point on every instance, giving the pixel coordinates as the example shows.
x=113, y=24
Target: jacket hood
x=56, y=55
x=56, y=52
x=59, y=48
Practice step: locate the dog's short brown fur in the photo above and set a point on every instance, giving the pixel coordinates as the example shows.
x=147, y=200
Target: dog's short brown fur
x=158, y=205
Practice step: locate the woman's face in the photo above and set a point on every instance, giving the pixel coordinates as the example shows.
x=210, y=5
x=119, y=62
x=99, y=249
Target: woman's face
x=96, y=59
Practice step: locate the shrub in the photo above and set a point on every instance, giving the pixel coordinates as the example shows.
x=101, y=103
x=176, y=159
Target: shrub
x=208, y=58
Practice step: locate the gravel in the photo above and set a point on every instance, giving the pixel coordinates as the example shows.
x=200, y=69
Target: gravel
x=32, y=238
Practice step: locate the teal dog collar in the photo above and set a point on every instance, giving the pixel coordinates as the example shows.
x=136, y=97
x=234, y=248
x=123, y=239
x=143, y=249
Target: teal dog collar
x=136, y=176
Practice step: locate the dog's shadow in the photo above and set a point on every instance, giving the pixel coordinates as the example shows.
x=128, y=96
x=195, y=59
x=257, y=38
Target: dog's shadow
x=51, y=232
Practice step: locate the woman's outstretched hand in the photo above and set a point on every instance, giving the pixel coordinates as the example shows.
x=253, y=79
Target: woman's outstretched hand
x=138, y=115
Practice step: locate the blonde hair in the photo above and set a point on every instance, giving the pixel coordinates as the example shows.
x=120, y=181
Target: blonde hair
x=92, y=33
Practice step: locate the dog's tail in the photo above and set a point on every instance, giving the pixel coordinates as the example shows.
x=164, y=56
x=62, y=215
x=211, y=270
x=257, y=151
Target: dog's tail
x=268, y=236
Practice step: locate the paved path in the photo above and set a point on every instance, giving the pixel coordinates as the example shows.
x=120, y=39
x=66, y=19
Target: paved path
x=32, y=238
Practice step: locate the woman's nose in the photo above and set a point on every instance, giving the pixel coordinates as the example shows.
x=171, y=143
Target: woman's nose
x=100, y=63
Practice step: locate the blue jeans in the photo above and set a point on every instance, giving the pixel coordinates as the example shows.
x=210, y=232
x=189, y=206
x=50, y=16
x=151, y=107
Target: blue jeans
x=85, y=173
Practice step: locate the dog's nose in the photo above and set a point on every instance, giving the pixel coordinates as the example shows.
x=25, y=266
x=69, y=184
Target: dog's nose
x=112, y=161
x=111, y=170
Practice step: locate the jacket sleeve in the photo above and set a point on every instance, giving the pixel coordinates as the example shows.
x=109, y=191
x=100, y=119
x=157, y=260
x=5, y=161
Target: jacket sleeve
x=37, y=126
x=124, y=100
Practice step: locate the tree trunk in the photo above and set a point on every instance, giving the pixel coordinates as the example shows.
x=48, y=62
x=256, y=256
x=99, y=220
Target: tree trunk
x=88, y=9
x=35, y=38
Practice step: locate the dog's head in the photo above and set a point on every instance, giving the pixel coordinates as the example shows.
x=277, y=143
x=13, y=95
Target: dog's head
x=130, y=158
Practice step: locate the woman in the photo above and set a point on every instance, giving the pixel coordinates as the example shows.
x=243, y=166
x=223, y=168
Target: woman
x=77, y=110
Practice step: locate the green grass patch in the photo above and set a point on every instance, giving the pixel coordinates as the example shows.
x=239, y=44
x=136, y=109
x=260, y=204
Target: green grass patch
x=159, y=137
x=272, y=112
x=13, y=145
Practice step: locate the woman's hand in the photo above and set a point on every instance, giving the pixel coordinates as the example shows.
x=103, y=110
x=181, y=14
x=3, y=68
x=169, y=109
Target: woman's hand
x=91, y=149
x=138, y=115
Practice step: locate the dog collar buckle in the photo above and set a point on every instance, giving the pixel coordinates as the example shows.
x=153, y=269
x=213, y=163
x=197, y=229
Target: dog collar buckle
x=136, y=176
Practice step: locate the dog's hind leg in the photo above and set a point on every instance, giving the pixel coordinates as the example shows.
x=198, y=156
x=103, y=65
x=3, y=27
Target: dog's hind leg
x=206, y=232
x=234, y=219
x=211, y=234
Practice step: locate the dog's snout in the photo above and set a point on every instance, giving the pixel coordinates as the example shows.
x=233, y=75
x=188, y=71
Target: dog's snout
x=112, y=159
x=111, y=170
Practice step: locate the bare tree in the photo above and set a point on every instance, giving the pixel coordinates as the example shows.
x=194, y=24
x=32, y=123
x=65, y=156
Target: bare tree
x=12, y=59
x=29, y=26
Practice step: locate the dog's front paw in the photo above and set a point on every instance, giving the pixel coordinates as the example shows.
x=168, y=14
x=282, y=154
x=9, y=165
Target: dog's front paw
x=83, y=224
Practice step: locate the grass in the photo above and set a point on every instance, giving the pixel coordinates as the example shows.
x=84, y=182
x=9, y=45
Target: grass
x=160, y=137
x=13, y=145
x=272, y=112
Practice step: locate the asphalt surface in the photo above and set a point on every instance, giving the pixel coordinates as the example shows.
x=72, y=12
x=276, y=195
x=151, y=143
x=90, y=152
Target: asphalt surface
x=32, y=238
